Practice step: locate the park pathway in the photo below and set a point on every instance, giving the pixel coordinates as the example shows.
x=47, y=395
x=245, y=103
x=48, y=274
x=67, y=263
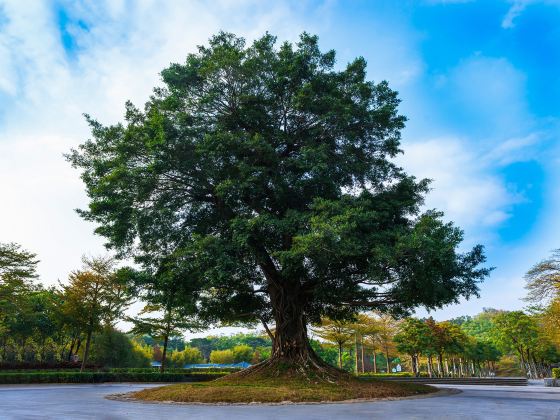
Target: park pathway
x=88, y=402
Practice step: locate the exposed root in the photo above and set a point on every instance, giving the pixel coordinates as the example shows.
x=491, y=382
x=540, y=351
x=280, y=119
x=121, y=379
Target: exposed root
x=311, y=369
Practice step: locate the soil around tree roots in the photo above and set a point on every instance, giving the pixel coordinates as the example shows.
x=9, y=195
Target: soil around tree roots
x=266, y=383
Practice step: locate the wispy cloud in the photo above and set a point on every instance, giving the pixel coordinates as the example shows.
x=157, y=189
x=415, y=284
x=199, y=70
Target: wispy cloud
x=518, y=7
x=93, y=56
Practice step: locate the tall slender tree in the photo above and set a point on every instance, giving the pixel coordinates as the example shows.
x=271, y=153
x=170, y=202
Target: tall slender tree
x=412, y=338
x=336, y=332
x=93, y=296
x=170, y=308
x=271, y=172
x=17, y=273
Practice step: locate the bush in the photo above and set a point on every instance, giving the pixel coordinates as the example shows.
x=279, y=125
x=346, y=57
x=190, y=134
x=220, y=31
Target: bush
x=114, y=348
x=44, y=365
x=98, y=377
x=222, y=356
x=242, y=353
x=556, y=373
x=190, y=355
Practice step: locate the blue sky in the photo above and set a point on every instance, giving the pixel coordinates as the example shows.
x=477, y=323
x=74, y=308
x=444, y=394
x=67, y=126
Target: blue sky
x=479, y=82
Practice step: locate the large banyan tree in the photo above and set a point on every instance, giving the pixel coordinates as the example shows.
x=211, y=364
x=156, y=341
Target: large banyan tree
x=266, y=174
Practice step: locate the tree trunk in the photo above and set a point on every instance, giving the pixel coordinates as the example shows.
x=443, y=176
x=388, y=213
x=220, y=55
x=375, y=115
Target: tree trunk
x=71, y=349
x=86, y=350
x=291, y=352
x=430, y=371
x=388, y=360
x=340, y=355
x=362, y=350
x=454, y=367
x=164, y=354
x=356, y=358
x=374, y=361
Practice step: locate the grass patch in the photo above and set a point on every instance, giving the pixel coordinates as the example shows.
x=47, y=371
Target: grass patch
x=277, y=390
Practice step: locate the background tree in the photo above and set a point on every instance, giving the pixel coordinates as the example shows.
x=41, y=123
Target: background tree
x=270, y=173
x=17, y=272
x=412, y=339
x=371, y=333
x=172, y=307
x=387, y=329
x=337, y=332
x=517, y=331
x=222, y=357
x=187, y=356
x=543, y=279
x=113, y=348
x=164, y=323
x=543, y=285
x=365, y=327
x=90, y=297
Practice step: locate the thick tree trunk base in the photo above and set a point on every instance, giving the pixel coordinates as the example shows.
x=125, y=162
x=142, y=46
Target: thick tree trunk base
x=309, y=368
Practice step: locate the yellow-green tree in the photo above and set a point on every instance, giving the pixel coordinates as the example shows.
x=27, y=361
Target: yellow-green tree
x=336, y=332
x=187, y=356
x=93, y=296
x=222, y=356
x=543, y=285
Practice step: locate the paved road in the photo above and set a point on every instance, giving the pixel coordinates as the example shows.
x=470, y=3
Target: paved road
x=88, y=402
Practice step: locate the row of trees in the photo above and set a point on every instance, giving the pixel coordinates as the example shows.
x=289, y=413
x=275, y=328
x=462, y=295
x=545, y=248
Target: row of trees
x=55, y=324
x=51, y=325
x=442, y=348
x=459, y=347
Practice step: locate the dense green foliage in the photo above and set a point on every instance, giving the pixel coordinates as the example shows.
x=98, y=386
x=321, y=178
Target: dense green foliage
x=112, y=348
x=251, y=161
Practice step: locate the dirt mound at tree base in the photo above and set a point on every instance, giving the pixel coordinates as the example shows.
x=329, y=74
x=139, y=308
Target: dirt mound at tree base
x=278, y=389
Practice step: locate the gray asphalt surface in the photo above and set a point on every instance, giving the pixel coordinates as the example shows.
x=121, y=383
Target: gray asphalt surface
x=88, y=402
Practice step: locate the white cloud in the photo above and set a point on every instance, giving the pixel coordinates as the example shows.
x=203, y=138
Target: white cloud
x=514, y=11
x=515, y=149
x=518, y=7
x=45, y=93
x=463, y=184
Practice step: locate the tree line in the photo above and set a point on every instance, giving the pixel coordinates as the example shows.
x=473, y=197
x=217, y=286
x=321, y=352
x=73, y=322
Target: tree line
x=58, y=323
x=483, y=345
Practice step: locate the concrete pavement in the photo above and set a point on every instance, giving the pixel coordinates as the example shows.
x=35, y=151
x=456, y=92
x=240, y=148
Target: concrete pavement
x=87, y=402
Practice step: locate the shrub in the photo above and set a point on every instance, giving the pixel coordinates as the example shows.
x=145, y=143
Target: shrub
x=222, y=356
x=98, y=377
x=49, y=351
x=556, y=373
x=30, y=351
x=64, y=364
x=242, y=353
x=114, y=348
x=188, y=356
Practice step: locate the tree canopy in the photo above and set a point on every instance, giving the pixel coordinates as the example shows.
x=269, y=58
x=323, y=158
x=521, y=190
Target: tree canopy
x=267, y=174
